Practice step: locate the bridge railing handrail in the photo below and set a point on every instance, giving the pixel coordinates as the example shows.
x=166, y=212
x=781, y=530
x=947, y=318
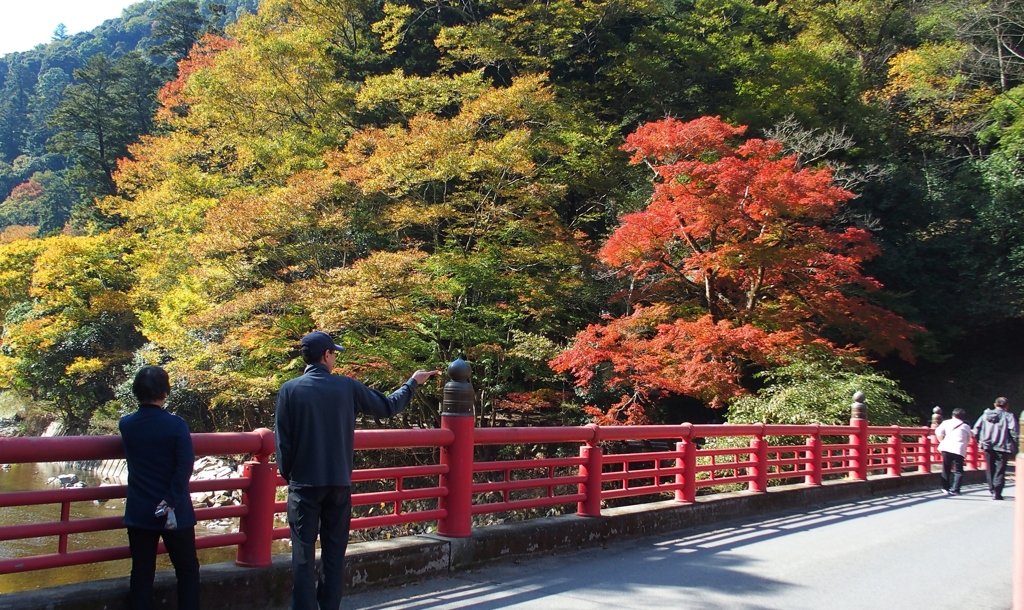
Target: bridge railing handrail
x=610, y=466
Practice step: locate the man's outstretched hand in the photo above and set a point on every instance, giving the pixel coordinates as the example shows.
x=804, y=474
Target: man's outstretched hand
x=420, y=376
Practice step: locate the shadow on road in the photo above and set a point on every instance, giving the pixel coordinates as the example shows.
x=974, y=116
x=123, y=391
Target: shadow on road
x=660, y=572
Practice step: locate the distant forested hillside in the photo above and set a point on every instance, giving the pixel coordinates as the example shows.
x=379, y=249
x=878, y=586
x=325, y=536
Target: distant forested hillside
x=621, y=210
x=70, y=108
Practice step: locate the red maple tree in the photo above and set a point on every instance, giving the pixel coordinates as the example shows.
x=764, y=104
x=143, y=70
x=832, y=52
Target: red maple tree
x=731, y=263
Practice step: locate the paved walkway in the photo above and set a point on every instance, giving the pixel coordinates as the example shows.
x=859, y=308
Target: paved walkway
x=914, y=550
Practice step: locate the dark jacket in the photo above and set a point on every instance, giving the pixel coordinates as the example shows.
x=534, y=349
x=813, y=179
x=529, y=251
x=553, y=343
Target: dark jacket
x=160, y=456
x=998, y=430
x=316, y=420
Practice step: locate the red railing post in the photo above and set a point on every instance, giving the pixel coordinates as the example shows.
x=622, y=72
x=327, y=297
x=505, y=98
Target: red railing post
x=861, y=454
x=814, y=452
x=972, y=457
x=759, y=451
x=926, y=449
x=258, y=523
x=591, y=469
x=688, y=478
x=896, y=455
x=65, y=516
x=457, y=415
x=1018, y=535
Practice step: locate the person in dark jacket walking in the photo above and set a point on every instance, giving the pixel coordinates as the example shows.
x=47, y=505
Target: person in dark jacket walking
x=315, y=435
x=997, y=432
x=158, y=448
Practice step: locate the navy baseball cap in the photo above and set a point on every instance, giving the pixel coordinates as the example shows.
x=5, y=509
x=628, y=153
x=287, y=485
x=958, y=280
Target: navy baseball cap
x=318, y=341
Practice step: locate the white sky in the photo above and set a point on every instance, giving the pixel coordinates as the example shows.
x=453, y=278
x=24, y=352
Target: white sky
x=26, y=23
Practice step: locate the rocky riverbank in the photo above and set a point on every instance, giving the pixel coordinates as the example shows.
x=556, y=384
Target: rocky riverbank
x=10, y=426
x=207, y=468
x=115, y=472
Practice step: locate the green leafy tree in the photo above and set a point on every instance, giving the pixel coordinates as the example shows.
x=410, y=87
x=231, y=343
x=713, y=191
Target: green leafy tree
x=59, y=33
x=137, y=86
x=817, y=388
x=46, y=98
x=870, y=31
x=111, y=103
x=178, y=24
x=14, y=97
x=1000, y=217
x=91, y=126
x=625, y=60
x=54, y=204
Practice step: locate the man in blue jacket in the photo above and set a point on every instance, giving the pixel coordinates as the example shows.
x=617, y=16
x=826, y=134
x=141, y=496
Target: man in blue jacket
x=315, y=436
x=158, y=447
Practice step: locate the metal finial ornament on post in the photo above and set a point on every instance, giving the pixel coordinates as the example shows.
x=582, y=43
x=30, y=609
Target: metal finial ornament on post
x=936, y=416
x=457, y=396
x=859, y=410
x=859, y=418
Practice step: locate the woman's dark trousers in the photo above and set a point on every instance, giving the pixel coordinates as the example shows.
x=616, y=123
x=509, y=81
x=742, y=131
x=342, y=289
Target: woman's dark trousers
x=181, y=548
x=952, y=471
x=326, y=511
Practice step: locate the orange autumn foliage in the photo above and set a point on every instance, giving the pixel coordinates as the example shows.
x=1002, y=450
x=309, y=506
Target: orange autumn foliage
x=26, y=192
x=173, y=101
x=732, y=263
x=531, y=402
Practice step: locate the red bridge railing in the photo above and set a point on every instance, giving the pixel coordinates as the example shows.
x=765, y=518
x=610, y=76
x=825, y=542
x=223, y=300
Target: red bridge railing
x=613, y=463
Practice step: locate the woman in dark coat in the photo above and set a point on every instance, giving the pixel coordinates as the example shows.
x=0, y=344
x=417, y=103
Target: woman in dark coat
x=158, y=447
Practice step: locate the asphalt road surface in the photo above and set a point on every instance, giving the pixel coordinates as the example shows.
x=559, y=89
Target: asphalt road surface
x=912, y=550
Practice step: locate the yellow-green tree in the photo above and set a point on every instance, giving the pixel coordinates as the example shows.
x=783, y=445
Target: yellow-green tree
x=68, y=343
x=417, y=242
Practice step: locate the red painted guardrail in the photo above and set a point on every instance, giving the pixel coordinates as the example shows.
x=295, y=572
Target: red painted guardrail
x=1018, y=531
x=613, y=463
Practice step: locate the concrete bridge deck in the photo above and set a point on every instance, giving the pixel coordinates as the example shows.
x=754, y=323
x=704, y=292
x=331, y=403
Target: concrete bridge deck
x=889, y=542
x=910, y=550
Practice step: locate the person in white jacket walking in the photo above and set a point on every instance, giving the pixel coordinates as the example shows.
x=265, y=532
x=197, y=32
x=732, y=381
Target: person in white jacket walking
x=953, y=435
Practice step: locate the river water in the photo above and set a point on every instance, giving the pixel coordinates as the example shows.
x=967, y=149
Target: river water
x=24, y=477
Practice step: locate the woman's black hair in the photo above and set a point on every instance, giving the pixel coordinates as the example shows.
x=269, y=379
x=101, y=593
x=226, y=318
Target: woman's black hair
x=151, y=384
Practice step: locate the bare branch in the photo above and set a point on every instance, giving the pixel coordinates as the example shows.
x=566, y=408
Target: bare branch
x=809, y=145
